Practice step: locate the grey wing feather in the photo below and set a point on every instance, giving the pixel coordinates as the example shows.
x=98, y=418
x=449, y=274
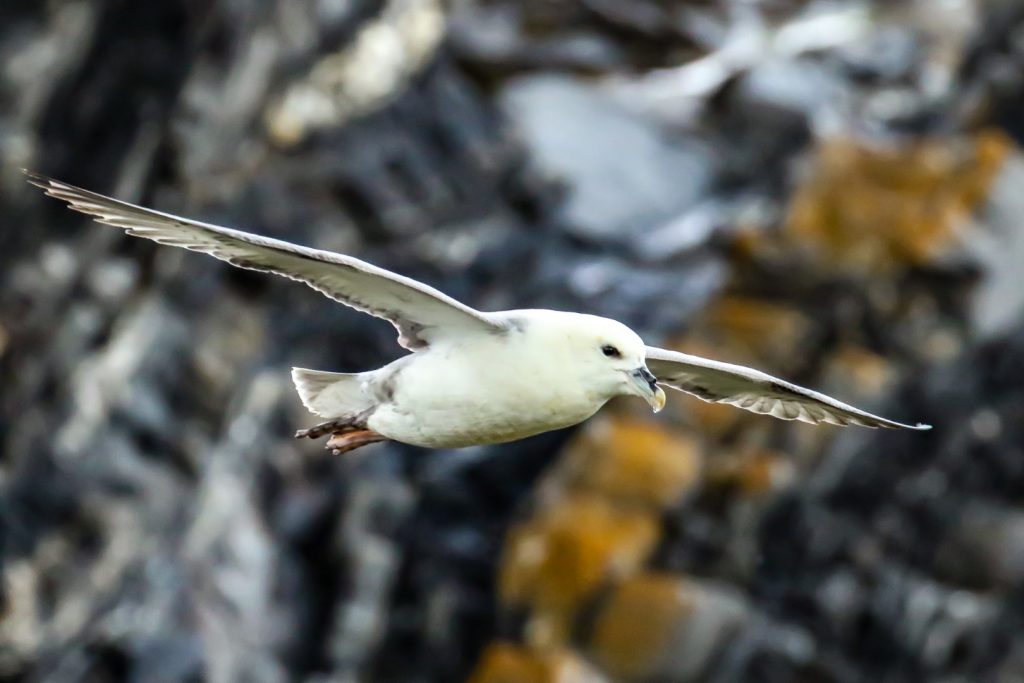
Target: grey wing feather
x=756, y=391
x=418, y=311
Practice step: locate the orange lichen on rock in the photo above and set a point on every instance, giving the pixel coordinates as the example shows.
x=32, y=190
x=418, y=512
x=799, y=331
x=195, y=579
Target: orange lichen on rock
x=633, y=631
x=556, y=560
x=866, y=208
x=869, y=373
x=508, y=663
x=754, y=330
x=663, y=627
x=633, y=460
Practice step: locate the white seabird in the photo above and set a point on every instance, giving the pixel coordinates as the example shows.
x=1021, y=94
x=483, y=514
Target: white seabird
x=472, y=377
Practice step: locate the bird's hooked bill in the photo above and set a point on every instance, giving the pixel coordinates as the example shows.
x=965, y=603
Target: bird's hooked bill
x=649, y=389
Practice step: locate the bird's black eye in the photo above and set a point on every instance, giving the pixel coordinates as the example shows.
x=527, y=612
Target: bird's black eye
x=610, y=351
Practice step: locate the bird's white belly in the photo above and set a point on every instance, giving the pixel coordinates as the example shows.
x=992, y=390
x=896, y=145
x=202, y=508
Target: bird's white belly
x=455, y=426
x=450, y=398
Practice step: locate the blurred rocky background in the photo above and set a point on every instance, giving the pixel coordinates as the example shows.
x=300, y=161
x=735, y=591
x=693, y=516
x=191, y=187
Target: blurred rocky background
x=831, y=191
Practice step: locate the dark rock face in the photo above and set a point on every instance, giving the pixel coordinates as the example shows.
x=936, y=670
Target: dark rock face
x=825, y=192
x=905, y=561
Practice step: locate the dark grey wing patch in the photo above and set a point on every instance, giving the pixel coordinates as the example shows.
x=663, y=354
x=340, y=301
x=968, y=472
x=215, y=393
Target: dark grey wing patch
x=385, y=381
x=699, y=392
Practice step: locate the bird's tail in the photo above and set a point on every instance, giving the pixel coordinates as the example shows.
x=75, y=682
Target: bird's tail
x=330, y=394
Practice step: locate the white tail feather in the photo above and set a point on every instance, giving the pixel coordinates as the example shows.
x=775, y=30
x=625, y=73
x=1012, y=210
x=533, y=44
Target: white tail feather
x=330, y=394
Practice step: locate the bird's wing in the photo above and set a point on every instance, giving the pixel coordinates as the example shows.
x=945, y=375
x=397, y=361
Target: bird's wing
x=756, y=391
x=418, y=311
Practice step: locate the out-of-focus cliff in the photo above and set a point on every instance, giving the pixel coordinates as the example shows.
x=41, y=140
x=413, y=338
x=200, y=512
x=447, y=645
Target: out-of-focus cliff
x=830, y=191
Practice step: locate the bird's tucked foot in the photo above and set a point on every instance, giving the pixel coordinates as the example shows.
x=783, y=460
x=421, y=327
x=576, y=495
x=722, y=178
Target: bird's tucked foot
x=343, y=442
x=341, y=425
x=347, y=434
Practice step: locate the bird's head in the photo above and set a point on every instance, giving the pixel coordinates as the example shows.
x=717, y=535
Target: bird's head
x=614, y=359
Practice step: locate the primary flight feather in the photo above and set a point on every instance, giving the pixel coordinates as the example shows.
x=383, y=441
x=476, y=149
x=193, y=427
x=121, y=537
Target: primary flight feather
x=474, y=377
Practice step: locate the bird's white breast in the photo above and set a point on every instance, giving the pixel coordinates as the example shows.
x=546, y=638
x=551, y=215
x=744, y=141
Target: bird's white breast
x=486, y=389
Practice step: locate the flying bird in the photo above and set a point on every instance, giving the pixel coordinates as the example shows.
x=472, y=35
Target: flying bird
x=472, y=377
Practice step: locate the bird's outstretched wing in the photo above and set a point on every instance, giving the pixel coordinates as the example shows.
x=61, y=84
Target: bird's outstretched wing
x=418, y=311
x=756, y=391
